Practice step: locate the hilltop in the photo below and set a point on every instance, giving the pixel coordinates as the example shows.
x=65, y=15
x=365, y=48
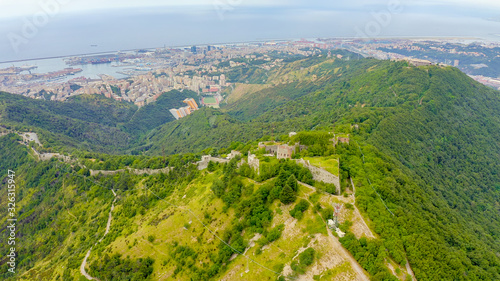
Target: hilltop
x=418, y=167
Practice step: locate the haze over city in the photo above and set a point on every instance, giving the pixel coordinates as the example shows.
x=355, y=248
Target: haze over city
x=37, y=29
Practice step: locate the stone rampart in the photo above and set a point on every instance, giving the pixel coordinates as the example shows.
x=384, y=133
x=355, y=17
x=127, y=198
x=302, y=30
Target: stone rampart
x=205, y=159
x=131, y=170
x=320, y=174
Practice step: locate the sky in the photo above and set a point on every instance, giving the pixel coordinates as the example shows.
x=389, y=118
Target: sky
x=11, y=8
x=16, y=8
x=40, y=28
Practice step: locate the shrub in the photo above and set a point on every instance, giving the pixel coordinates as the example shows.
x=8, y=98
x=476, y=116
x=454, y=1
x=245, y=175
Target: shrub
x=275, y=233
x=299, y=209
x=151, y=238
x=307, y=257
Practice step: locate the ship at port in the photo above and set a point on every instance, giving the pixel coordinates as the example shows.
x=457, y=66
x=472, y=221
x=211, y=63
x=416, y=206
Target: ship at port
x=101, y=61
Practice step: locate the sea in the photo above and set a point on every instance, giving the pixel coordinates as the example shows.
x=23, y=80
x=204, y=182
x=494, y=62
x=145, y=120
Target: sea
x=74, y=33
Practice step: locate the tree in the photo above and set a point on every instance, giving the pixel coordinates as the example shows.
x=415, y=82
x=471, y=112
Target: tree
x=218, y=187
x=292, y=182
x=282, y=178
x=287, y=195
x=275, y=233
x=299, y=209
x=275, y=193
x=211, y=166
x=307, y=257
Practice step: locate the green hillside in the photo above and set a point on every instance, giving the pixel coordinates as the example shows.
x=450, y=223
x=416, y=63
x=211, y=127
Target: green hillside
x=422, y=155
x=88, y=122
x=155, y=114
x=295, y=80
x=83, y=122
x=188, y=224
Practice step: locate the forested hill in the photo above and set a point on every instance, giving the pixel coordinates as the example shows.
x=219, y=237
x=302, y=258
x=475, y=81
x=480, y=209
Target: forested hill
x=156, y=114
x=380, y=89
x=445, y=138
x=292, y=81
x=81, y=123
x=88, y=122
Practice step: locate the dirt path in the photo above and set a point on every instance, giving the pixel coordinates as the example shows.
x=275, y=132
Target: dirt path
x=108, y=227
x=82, y=267
x=109, y=220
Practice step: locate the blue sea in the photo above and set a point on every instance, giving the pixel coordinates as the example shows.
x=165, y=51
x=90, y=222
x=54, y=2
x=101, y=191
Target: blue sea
x=67, y=34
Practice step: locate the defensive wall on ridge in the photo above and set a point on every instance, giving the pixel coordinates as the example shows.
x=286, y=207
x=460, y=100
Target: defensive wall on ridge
x=131, y=170
x=320, y=174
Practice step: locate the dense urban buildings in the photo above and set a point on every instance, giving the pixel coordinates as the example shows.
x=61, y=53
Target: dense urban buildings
x=185, y=111
x=203, y=69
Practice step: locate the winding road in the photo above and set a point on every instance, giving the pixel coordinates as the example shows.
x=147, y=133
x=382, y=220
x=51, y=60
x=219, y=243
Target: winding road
x=108, y=227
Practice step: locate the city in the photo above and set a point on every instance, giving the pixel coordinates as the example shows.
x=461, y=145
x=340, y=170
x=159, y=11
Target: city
x=202, y=69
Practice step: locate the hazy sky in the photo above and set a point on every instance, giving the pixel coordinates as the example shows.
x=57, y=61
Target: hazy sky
x=15, y=8
x=39, y=28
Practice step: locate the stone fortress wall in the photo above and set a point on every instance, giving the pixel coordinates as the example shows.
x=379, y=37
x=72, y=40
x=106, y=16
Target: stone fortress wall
x=320, y=174
x=205, y=159
x=131, y=170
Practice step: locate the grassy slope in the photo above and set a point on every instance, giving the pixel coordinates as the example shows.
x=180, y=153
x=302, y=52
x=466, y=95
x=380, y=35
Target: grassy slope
x=330, y=164
x=67, y=214
x=59, y=216
x=168, y=224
